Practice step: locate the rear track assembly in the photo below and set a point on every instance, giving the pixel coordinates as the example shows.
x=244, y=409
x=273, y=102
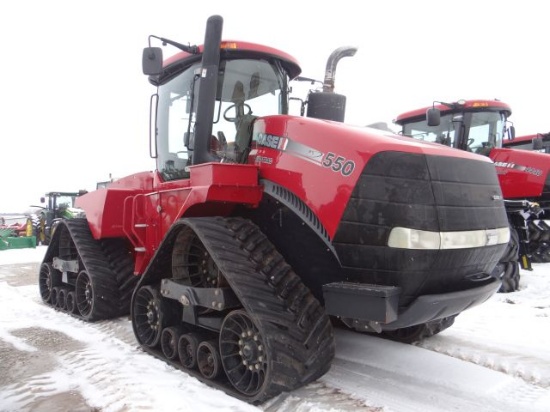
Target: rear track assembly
x=89, y=279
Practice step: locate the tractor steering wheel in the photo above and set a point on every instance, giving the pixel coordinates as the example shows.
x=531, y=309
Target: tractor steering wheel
x=234, y=106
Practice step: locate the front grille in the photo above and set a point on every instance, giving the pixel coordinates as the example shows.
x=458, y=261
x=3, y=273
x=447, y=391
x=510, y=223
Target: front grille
x=432, y=193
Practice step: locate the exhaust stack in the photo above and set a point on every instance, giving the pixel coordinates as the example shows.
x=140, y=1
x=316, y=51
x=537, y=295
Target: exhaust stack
x=328, y=105
x=207, y=90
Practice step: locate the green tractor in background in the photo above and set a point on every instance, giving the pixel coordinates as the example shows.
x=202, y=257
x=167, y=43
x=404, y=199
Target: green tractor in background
x=59, y=206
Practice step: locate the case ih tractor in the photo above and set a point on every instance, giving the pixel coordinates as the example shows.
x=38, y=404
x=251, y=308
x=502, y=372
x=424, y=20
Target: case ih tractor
x=539, y=142
x=258, y=228
x=480, y=126
x=539, y=230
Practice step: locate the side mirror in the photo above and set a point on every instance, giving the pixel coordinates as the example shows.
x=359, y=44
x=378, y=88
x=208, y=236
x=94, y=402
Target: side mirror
x=511, y=133
x=42, y=200
x=152, y=61
x=433, y=117
x=537, y=143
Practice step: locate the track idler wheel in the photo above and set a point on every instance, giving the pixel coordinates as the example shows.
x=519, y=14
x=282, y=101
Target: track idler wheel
x=188, y=344
x=84, y=294
x=243, y=353
x=48, y=278
x=208, y=359
x=151, y=313
x=169, y=341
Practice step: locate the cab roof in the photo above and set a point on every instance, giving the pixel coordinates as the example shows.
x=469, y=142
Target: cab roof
x=236, y=48
x=464, y=105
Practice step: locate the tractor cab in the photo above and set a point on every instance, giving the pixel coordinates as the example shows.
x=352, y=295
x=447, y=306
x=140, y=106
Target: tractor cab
x=473, y=125
x=246, y=81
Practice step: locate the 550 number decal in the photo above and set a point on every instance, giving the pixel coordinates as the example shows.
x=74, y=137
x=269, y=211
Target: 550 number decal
x=339, y=164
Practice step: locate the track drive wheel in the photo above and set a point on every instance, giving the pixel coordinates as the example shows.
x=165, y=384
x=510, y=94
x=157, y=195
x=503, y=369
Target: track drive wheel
x=243, y=353
x=48, y=278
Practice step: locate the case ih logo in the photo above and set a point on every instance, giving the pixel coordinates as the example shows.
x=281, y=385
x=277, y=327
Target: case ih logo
x=332, y=161
x=526, y=169
x=272, y=141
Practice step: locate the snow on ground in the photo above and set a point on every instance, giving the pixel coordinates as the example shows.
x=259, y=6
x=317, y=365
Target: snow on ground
x=27, y=255
x=495, y=357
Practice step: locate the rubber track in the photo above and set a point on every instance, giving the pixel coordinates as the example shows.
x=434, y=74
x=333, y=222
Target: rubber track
x=96, y=264
x=292, y=322
x=539, y=235
x=508, y=266
x=122, y=263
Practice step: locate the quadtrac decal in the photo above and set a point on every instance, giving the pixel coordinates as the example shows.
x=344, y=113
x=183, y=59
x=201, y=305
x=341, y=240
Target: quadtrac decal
x=521, y=168
x=330, y=160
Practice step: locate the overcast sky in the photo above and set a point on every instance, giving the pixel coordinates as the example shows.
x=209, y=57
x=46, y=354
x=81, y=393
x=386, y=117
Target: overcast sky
x=74, y=104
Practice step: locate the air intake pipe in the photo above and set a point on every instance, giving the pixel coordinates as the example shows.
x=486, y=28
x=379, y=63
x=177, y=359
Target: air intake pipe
x=326, y=104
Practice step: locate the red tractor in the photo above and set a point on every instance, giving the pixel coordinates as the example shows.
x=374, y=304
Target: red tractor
x=258, y=228
x=539, y=230
x=480, y=126
x=539, y=142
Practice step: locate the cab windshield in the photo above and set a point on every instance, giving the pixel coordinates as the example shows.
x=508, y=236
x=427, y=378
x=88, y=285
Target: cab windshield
x=245, y=88
x=472, y=131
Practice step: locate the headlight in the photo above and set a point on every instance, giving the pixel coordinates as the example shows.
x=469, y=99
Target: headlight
x=405, y=238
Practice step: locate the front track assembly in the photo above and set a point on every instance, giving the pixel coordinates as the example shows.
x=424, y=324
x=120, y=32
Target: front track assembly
x=232, y=312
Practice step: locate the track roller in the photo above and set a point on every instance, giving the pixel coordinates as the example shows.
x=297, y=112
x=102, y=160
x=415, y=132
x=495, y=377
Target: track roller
x=188, y=344
x=54, y=295
x=62, y=298
x=169, y=340
x=71, y=302
x=208, y=359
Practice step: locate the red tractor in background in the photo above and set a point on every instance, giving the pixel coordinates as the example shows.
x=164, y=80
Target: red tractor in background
x=539, y=230
x=480, y=126
x=539, y=142
x=258, y=228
